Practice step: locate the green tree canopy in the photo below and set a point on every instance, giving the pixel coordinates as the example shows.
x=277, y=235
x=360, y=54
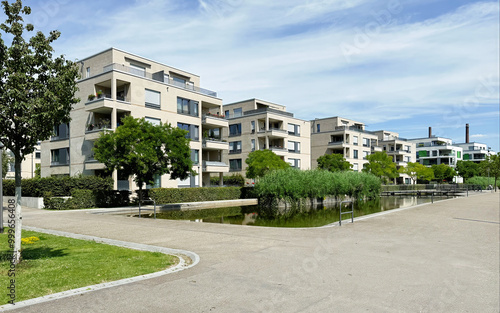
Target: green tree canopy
x=261, y=162
x=36, y=91
x=333, y=163
x=380, y=164
x=417, y=171
x=491, y=167
x=468, y=169
x=140, y=149
x=443, y=172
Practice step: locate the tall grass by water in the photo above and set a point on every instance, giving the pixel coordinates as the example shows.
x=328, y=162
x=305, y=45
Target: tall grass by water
x=293, y=185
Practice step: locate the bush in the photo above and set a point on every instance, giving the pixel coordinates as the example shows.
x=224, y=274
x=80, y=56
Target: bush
x=482, y=181
x=53, y=203
x=112, y=198
x=232, y=180
x=179, y=195
x=81, y=199
x=59, y=186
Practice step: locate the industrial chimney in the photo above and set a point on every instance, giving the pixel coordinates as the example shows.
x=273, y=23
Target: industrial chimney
x=430, y=132
x=466, y=133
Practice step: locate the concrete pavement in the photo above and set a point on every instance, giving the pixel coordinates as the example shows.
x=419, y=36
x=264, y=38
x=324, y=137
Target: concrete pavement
x=441, y=257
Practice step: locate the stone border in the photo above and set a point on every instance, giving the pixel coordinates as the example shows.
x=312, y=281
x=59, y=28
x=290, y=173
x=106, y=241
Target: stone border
x=182, y=265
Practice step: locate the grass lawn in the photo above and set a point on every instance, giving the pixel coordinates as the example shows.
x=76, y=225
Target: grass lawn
x=53, y=264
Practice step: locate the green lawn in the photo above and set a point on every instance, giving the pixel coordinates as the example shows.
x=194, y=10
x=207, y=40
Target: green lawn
x=53, y=264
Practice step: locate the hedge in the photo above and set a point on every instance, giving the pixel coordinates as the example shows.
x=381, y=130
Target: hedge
x=58, y=186
x=179, y=195
x=232, y=180
x=80, y=199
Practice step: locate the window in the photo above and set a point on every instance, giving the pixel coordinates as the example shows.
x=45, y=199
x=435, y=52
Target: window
x=178, y=80
x=366, y=142
x=87, y=73
x=407, y=149
x=38, y=155
x=234, y=147
x=154, y=121
x=355, y=167
x=253, y=144
x=235, y=165
x=59, y=156
x=152, y=99
x=459, y=154
x=193, y=130
x=318, y=128
x=355, y=140
x=61, y=132
x=407, y=159
x=294, y=146
x=365, y=154
x=294, y=163
x=252, y=127
x=195, y=156
x=434, y=153
x=226, y=113
x=186, y=106
x=157, y=182
x=294, y=129
x=235, y=129
x=355, y=154
x=238, y=112
x=137, y=70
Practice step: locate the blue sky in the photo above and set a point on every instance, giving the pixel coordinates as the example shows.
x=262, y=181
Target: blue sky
x=396, y=65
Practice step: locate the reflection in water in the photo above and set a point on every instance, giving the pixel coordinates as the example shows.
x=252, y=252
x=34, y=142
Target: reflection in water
x=302, y=217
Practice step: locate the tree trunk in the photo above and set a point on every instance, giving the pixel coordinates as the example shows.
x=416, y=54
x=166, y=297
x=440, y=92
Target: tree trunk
x=18, y=219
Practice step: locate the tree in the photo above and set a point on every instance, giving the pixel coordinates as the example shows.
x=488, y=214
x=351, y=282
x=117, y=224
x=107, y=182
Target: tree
x=381, y=165
x=491, y=167
x=38, y=170
x=140, y=149
x=333, y=163
x=443, y=172
x=6, y=160
x=417, y=171
x=467, y=169
x=261, y=162
x=36, y=93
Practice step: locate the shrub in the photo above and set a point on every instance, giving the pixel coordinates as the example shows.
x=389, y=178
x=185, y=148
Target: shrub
x=481, y=181
x=80, y=199
x=178, y=195
x=53, y=203
x=112, y=198
x=232, y=180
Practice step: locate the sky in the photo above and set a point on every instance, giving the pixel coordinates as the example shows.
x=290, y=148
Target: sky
x=397, y=65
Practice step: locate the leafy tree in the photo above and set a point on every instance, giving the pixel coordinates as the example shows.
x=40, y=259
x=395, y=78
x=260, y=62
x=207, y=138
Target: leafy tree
x=6, y=160
x=261, y=162
x=491, y=167
x=467, y=169
x=380, y=164
x=140, y=149
x=38, y=170
x=333, y=163
x=443, y=172
x=417, y=171
x=36, y=92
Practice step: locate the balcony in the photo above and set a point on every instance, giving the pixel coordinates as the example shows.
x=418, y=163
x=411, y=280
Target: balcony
x=214, y=121
x=273, y=132
x=214, y=144
x=105, y=104
x=376, y=149
x=215, y=167
x=160, y=78
x=336, y=143
x=237, y=151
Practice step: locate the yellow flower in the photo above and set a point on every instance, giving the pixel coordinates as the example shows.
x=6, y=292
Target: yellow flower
x=29, y=240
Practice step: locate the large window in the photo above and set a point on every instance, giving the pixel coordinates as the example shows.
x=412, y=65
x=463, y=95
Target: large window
x=235, y=165
x=253, y=144
x=235, y=129
x=294, y=146
x=294, y=163
x=152, y=99
x=238, y=112
x=61, y=132
x=365, y=154
x=152, y=120
x=157, y=182
x=87, y=74
x=355, y=140
x=294, y=129
x=355, y=154
x=366, y=142
x=234, y=147
x=252, y=127
x=59, y=156
x=195, y=156
x=355, y=167
x=193, y=130
x=186, y=106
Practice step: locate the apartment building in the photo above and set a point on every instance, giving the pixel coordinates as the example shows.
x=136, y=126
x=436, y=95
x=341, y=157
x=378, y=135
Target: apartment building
x=115, y=84
x=474, y=151
x=437, y=150
x=401, y=151
x=342, y=136
x=28, y=166
x=256, y=125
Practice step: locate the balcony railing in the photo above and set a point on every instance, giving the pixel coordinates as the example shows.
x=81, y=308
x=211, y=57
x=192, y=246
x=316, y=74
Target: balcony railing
x=266, y=110
x=160, y=78
x=236, y=151
x=335, y=143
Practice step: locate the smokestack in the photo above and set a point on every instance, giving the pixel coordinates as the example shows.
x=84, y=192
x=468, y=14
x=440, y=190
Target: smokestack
x=466, y=133
x=430, y=132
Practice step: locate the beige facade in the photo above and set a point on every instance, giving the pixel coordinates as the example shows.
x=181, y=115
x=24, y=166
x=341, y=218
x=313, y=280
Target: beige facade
x=256, y=125
x=28, y=166
x=115, y=84
x=343, y=136
x=401, y=150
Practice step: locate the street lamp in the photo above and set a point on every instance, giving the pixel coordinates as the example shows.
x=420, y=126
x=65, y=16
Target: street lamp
x=489, y=148
x=1, y=188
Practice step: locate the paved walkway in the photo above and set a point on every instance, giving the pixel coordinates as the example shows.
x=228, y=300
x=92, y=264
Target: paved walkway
x=441, y=257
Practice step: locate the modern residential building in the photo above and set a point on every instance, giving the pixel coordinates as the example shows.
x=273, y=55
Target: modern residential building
x=115, y=84
x=401, y=150
x=437, y=150
x=256, y=125
x=28, y=166
x=474, y=151
x=343, y=136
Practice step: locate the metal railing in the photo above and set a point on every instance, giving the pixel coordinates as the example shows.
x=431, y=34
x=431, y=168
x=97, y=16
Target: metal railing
x=141, y=209
x=351, y=211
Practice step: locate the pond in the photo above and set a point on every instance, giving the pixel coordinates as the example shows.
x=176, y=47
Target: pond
x=303, y=217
